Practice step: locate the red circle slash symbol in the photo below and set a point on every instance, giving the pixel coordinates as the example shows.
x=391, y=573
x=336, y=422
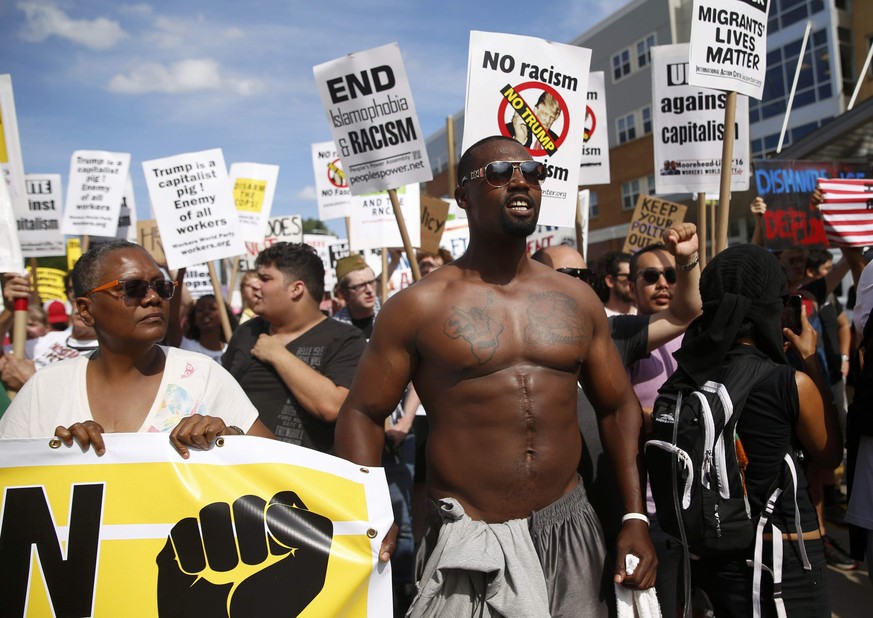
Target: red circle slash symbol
x=538, y=113
x=336, y=175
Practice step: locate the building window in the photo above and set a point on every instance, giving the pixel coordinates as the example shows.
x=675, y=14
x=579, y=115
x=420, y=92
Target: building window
x=593, y=205
x=630, y=191
x=621, y=65
x=627, y=129
x=646, y=114
x=644, y=55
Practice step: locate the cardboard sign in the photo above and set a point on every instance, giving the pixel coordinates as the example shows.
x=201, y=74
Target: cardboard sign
x=148, y=236
x=689, y=129
x=254, y=186
x=39, y=230
x=594, y=168
x=193, y=203
x=94, y=190
x=142, y=532
x=728, y=48
x=287, y=228
x=652, y=218
x=331, y=185
x=372, y=118
x=535, y=92
x=791, y=219
x=11, y=163
x=434, y=213
x=372, y=224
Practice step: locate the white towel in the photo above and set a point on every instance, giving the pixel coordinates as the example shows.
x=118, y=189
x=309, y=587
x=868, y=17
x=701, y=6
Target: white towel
x=636, y=603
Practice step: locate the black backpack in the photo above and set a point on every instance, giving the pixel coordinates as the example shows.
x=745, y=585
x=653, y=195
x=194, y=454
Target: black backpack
x=691, y=456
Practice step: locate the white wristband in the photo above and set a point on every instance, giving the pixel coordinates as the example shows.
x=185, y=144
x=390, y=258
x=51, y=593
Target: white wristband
x=639, y=516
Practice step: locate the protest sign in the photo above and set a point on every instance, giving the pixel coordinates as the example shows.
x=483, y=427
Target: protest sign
x=148, y=236
x=434, y=213
x=791, y=219
x=331, y=185
x=321, y=243
x=254, y=185
x=95, y=187
x=74, y=252
x=550, y=236
x=39, y=230
x=49, y=283
x=132, y=532
x=287, y=228
x=728, y=48
x=193, y=204
x=369, y=106
x=689, y=129
x=198, y=281
x=11, y=163
x=127, y=223
x=373, y=225
x=594, y=168
x=11, y=259
x=847, y=211
x=535, y=92
x=652, y=218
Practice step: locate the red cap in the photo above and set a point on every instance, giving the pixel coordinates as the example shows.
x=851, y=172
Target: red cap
x=56, y=312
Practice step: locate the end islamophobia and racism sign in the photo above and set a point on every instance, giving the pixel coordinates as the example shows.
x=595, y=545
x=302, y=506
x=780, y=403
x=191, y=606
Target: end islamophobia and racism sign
x=372, y=117
x=729, y=45
x=535, y=92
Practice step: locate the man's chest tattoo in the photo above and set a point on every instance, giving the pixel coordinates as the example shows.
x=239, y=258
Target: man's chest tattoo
x=476, y=326
x=553, y=317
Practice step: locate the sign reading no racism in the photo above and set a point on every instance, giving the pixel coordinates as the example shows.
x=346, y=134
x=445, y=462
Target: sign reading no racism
x=94, y=191
x=728, y=47
x=193, y=204
x=689, y=129
x=595, y=149
x=372, y=117
x=533, y=91
x=331, y=185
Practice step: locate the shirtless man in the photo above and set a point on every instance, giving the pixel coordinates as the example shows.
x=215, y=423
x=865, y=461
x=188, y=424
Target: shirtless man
x=494, y=344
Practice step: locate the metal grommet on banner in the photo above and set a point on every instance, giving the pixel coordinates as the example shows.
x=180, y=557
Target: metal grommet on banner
x=372, y=533
x=219, y=441
x=55, y=443
x=365, y=471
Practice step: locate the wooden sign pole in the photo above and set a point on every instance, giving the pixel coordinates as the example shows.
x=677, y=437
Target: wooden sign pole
x=219, y=300
x=727, y=155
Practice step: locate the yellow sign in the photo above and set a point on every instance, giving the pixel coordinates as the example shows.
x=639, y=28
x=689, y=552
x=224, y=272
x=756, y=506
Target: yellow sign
x=74, y=252
x=50, y=283
x=4, y=153
x=248, y=194
x=231, y=531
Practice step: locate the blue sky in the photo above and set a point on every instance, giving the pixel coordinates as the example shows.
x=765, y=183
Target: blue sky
x=160, y=78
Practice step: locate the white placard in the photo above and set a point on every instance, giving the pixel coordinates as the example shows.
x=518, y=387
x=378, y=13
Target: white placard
x=11, y=259
x=254, y=185
x=95, y=187
x=39, y=230
x=193, y=204
x=126, y=218
x=594, y=169
x=534, y=91
x=197, y=281
x=321, y=243
x=11, y=163
x=286, y=228
x=728, y=47
x=688, y=129
x=373, y=224
x=372, y=117
x=331, y=185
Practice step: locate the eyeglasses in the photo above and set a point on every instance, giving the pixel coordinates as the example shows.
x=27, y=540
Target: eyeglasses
x=583, y=274
x=361, y=286
x=499, y=173
x=620, y=276
x=137, y=289
x=651, y=275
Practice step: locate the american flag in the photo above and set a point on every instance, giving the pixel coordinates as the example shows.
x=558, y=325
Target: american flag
x=847, y=211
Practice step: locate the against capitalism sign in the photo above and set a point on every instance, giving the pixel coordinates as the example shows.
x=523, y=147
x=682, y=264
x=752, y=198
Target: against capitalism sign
x=372, y=117
x=535, y=92
x=729, y=45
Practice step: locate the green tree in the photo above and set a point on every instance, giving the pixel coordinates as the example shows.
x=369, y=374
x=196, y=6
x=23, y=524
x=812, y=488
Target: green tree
x=314, y=226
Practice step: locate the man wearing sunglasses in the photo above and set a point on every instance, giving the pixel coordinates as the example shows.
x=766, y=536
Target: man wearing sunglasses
x=495, y=344
x=130, y=383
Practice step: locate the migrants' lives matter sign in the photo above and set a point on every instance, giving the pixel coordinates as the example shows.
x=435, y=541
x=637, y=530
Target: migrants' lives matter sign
x=94, y=190
x=193, y=205
x=728, y=47
x=595, y=148
x=254, y=185
x=372, y=117
x=331, y=185
x=535, y=92
x=689, y=129
x=39, y=230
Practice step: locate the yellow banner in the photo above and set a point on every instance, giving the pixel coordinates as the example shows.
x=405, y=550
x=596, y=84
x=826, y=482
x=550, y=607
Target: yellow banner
x=50, y=283
x=251, y=528
x=74, y=252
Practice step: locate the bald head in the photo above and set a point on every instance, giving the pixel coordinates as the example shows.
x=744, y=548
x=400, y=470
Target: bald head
x=560, y=256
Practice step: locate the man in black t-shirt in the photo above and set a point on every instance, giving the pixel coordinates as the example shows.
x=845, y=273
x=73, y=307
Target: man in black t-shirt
x=295, y=364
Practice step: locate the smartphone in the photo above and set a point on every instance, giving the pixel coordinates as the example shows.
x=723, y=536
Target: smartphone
x=791, y=313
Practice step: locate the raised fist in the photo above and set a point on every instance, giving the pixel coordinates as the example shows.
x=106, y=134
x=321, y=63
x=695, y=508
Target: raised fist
x=209, y=565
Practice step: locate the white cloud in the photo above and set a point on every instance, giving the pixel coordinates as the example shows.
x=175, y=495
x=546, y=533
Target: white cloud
x=136, y=9
x=46, y=20
x=306, y=193
x=234, y=33
x=184, y=76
